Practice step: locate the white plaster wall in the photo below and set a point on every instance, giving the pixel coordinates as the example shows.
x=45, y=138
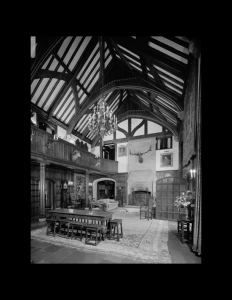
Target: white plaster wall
x=124, y=125
x=135, y=122
x=61, y=132
x=140, y=131
x=153, y=127
x=142, y=145
x=96, y=151
x=175, y=151
x=120, y=135
x=149, y=160
x=108, y=137
x=122, y=161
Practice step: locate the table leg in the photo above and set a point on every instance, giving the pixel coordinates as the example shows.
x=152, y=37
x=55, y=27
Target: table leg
x=182, y=232
x=188, y=230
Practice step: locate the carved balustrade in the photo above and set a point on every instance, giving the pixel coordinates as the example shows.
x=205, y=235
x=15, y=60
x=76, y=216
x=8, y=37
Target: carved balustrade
x=44, y=144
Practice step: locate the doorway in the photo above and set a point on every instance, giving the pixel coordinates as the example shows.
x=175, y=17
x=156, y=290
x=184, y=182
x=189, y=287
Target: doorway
x=105, y=189
x=104, y=182
x=108, y=151
x=49, y=193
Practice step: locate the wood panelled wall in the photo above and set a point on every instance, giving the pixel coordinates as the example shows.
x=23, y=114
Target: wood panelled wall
x=121, y=180
x=161, y=174
x=56, y=176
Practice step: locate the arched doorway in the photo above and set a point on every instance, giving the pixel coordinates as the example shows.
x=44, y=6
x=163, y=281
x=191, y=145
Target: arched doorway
x=106, y=186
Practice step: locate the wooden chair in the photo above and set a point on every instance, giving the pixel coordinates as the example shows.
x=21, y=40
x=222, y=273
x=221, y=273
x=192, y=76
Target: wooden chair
x=147, y=209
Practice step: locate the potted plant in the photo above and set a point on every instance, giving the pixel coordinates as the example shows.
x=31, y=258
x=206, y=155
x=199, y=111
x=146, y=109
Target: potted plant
x=186, y=201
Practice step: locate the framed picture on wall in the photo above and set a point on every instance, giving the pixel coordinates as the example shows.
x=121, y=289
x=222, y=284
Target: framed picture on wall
x=122, y=151
x=166, y=160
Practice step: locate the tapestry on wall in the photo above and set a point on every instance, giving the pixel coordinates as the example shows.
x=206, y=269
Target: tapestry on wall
x=79, y=186
x=189, y=119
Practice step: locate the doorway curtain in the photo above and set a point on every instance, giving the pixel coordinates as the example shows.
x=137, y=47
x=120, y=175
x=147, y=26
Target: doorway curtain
x=197, y=242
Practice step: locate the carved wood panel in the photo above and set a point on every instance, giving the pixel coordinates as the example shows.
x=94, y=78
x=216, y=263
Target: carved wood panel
x=40, y=143
x=167, y=189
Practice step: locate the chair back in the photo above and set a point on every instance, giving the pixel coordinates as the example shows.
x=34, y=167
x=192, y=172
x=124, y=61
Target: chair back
x=150, y=202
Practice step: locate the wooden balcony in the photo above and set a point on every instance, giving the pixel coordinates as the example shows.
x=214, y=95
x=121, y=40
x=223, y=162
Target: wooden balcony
x=60, y=152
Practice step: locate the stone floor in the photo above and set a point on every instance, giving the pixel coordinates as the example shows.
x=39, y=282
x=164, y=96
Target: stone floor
x=48, y=253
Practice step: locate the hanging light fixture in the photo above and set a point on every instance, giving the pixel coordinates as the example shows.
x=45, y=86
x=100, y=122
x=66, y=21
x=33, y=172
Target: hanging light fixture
x=102, y=121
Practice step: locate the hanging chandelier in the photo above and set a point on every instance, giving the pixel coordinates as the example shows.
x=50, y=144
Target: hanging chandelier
x=102, y=122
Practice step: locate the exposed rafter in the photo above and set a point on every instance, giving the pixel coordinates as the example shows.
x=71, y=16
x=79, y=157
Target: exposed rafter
x=152, y=70
x=146, y=50
x=88, y=51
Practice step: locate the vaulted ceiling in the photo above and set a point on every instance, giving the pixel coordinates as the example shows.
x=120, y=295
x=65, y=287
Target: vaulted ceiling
x=143, y=77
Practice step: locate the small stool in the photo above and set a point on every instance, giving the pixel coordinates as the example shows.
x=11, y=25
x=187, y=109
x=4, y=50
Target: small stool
x=183, y=226
x=77, y=226
x=90, y=229
x=66, y=224
x=113, y=224
x=51, y=226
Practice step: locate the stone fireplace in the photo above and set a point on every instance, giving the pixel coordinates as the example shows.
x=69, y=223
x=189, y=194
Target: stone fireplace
x=142, y=173
x=140, y=181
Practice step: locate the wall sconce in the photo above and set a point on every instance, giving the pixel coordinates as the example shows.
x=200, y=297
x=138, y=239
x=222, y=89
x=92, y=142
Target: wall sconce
x=193, y=173
x=90, y=184
x=32, y=135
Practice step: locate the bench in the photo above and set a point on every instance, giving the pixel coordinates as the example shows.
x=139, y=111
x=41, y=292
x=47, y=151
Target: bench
x=52, y=224
x=96, y=229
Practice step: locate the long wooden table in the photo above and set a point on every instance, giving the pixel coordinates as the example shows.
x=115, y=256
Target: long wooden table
x=103, y=216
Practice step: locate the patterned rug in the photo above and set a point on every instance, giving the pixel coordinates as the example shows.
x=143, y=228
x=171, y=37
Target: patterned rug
x=143, y=240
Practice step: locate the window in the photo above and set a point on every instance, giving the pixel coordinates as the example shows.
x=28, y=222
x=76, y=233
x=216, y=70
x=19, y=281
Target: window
x=164, y=143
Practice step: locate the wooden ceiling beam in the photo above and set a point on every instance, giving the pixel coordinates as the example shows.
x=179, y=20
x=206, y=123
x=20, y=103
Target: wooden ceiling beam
x=52, y=74
x=154, y=73
x=75, y=94
x=120, y=54
x=77, y=69
x=178, y=41
x=137, y=127
x=46, y=50
x=101, y=43
x=135, y=84
x=144, y=107
x=123, y=131
x=121, y=107
x=149, y=51
x=167, y=47
x=120, y=100
x=112, y=52
x=62, y=63
x=169, y=77
x=112, y=97
x=77, y=82
x=143, y=40
x=152, y=102
x=84, y=133
x=170, y=126
x=166, y=93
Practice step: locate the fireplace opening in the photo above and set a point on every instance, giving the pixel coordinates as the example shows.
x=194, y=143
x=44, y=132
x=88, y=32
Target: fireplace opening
x=139, y=197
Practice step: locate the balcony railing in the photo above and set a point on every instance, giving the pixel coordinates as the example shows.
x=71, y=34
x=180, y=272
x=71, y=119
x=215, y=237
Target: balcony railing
x=44, y=144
